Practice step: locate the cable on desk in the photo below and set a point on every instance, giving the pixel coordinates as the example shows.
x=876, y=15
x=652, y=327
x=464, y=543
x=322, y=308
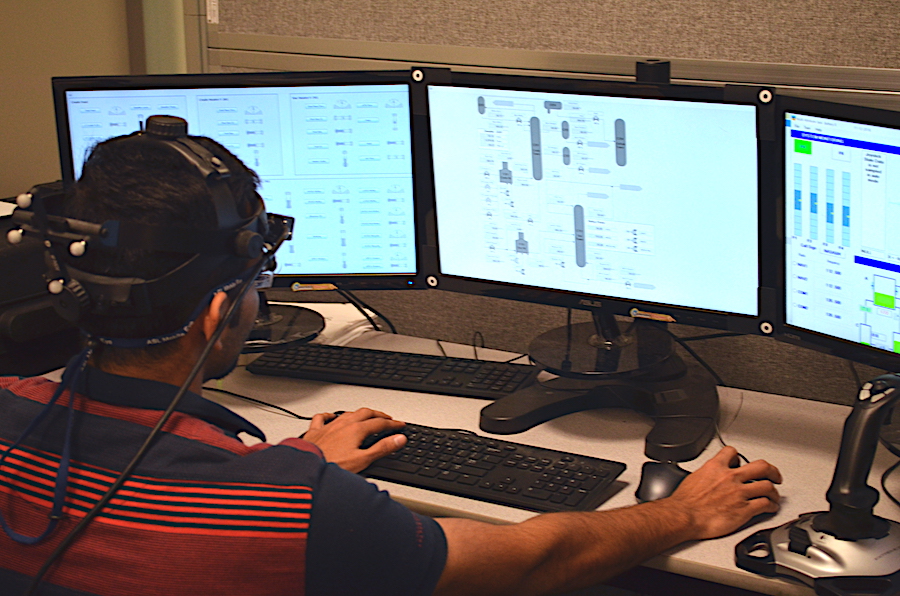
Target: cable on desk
x=710, y=336
x=362, y=307
x=285, y=410
x=440, y=346
x=349, y=298
x=256, y=401
x=855, y=374
x=884, y=478
x=519, y=357
x=475, y=337
x=682, y=342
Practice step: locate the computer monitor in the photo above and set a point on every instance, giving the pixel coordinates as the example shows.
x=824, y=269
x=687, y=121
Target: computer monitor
x=333, y=150
x=841, y=185
x=623, y=199
x=640, y=199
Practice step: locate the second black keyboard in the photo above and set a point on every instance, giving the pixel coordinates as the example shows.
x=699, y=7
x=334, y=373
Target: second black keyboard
x=497, y=471
x=396, y=370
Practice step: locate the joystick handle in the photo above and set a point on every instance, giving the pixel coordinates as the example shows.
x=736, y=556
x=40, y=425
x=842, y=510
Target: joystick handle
x=851, y=499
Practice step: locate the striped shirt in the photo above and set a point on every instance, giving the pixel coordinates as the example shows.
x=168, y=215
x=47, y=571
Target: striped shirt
x=203, y=513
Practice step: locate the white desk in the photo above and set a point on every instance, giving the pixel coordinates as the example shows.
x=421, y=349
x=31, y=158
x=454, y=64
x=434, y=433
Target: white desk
x=801, y=437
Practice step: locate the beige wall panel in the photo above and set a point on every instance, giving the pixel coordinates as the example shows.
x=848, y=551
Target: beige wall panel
x=40, y=39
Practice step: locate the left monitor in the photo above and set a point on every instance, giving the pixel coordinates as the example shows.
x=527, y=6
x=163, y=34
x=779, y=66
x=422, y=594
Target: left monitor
x=333, y=150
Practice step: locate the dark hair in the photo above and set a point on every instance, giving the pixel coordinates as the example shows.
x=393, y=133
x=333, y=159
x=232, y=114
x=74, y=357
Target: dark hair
x=134, y=179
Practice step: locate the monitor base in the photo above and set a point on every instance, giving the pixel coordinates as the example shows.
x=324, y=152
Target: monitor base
x=682, y=400
x=281, y=325
x=600, y=350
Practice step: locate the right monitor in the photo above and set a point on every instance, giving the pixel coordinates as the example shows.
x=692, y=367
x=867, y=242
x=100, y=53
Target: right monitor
x=841, y=246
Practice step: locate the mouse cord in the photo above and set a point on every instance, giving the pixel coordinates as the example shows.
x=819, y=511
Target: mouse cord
x=683, y=343
x=884, y=487
x=363, y=307
x=475, y=337
x=256, y=401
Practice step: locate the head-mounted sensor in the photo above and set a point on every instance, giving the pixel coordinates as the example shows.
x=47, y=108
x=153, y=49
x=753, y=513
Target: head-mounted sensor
x=232, y=248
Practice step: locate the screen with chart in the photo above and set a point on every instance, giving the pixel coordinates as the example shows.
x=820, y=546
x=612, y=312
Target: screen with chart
x=337, y=157
x=648, y=201
x=842, y=253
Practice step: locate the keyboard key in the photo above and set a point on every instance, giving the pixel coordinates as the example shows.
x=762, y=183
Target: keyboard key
x=537, y=493
x=401, y=466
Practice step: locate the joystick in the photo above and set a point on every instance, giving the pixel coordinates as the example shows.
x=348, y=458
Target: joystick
x=848, y=549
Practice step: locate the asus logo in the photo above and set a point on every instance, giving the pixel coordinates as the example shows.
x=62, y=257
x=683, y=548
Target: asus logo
x=586, y=302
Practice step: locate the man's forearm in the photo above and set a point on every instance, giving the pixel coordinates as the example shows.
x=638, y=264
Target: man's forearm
x=560, y=551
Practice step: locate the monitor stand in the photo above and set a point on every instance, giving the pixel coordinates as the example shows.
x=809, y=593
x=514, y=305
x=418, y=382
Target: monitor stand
x=281, y=325
x=601, y=366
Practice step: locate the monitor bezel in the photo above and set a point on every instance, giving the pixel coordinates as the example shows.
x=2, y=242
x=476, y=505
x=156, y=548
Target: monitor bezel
x=785, y=332
x=296, y=282
x=740, y=323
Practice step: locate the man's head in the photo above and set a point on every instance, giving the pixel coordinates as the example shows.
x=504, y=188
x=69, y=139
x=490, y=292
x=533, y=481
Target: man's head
x=137, y=179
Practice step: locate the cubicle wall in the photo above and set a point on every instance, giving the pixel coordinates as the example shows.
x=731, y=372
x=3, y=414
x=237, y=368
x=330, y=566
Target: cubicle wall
x=834, y=50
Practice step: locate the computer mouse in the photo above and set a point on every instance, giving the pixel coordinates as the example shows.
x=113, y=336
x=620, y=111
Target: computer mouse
x=659, y=480
x=374, y=438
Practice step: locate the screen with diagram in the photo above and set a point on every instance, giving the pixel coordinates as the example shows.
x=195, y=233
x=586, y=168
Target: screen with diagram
x=842, y=256
x=337, y=158
x=649, y=200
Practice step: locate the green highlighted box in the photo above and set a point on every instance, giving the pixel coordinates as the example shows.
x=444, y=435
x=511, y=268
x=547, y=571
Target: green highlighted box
x=897, y=346
x=801, y=146
x=884, y=300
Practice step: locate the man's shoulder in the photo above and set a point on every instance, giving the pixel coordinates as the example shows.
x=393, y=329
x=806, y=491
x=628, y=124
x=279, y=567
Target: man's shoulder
x=32, y=387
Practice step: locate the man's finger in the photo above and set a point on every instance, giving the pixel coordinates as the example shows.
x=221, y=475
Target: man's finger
x=727, y=456
x=376, y=425
x=319, y=420
x=761, y=488
x=758, y=470
x=387, y=446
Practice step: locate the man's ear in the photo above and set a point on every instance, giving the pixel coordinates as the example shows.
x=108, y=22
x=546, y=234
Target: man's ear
x=214, y=313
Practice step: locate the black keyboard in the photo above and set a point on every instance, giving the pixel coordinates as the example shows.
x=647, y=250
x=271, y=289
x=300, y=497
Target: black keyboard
x=497, y=471
x=397, y=370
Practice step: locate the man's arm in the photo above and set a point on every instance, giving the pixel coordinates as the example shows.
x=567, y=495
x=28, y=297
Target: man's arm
x=565, y=551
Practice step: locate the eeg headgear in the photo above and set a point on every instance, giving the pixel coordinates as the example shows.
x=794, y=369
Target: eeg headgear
x=230, y=248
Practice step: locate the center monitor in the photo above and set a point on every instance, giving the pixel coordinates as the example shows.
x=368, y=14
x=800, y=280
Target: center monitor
x=333, y=150
x=620, y=198
x=647, y=205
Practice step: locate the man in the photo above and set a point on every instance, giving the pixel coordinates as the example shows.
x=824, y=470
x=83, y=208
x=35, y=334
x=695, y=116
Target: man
x=203, y=513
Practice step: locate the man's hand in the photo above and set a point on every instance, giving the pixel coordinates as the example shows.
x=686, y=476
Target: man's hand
x=722, y=497
x=339, y=437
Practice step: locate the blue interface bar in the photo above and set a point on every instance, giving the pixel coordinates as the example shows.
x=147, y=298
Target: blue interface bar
x=875, y=263
x=812, y=136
